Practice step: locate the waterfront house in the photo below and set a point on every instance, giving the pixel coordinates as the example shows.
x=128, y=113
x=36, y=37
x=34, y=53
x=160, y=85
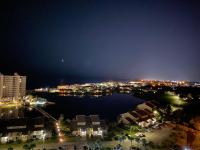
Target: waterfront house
x=25, y=128
x=142, y=115
x=88, y=126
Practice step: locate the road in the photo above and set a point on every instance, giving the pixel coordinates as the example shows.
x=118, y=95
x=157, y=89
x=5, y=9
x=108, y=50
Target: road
x=69, y=145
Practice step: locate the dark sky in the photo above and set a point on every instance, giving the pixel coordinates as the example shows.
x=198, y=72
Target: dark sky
x=101, y=40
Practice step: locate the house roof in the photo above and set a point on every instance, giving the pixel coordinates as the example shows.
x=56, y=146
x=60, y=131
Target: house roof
x=129, y=119
x=148, y=111
x=150, y=104
x=140, y=112
x=134, y=114
x=88, y=120
x=17, y=122
x=24, y=124
x=81, y=118
x=94, y=118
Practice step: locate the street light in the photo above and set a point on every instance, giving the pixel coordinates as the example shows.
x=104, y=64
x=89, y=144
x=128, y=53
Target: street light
x=155, y=112
x=61, y=140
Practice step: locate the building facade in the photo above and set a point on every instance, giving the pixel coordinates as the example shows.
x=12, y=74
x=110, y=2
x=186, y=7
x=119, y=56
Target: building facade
x=143, y=115
x=88, y=126
x=12, y=86
x=24, y=129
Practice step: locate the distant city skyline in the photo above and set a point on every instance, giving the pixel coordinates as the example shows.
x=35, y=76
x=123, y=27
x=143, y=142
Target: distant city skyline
x=81, y=41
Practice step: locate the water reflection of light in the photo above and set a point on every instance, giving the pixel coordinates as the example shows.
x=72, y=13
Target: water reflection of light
x=186, y=148
x=40, y=103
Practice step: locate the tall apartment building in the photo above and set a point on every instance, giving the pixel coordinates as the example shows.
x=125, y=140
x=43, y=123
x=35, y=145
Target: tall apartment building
x=12, y=86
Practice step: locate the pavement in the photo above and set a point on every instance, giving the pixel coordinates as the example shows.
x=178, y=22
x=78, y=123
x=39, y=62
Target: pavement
x=70, y=145
x=158, y=135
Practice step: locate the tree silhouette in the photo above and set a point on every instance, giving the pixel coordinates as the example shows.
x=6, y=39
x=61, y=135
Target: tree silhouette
x=10, y=148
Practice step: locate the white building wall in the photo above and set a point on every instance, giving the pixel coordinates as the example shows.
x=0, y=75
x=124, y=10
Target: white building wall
x=12, y=86
x=1, y=86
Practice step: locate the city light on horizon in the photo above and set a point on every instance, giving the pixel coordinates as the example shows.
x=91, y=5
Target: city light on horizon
x=93, y=74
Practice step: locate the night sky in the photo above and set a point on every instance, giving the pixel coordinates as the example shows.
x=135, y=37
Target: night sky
x=96, y=40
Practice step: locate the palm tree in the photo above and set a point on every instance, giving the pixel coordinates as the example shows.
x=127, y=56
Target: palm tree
x=137, y=139
x=123, y=137
x=29, y=146
x=32, y=145
x=10, y=148
x=133, y=128
x=131, y=138
x=92, y=146
x=98, y=144
x=117, y=138
x=144, y=143
x=26, y=147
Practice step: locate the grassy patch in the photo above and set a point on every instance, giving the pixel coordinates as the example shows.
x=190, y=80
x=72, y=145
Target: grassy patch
x=172, y=99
